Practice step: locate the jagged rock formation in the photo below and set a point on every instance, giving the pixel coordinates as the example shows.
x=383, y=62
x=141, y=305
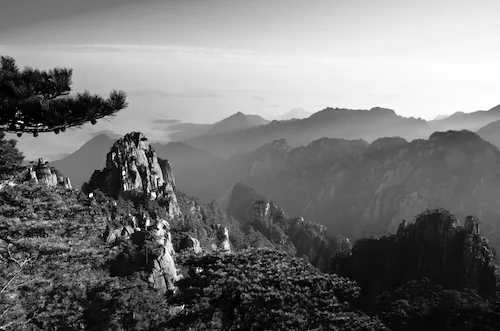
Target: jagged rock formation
x=435, y=247
x=163, y=272
x=133, y=169
x=41, y=172
x=154, y=251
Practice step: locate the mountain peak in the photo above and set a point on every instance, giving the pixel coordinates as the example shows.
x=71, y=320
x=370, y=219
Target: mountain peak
x=237, y=121
x=132, y=168
x=295, y=113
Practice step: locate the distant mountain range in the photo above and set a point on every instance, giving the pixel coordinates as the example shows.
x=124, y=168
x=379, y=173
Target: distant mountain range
x=467, y=121
x=330, y=122
x=235, y=122
x=295, y=113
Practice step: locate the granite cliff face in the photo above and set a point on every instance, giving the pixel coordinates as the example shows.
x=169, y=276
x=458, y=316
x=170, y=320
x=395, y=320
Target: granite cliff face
x=357, y=189
x=436, y=247
x=133, y=169
x=154, y=251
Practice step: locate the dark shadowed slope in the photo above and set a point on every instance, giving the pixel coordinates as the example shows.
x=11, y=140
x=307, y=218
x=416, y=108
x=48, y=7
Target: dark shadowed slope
x=338, y=123
x=240, y=202
x=491, y=133
x=80, y=165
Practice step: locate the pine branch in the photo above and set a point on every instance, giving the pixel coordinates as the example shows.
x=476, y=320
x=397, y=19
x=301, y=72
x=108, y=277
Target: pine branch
x=38, y=101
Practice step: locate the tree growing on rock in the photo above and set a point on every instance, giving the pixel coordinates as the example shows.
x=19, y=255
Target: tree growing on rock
x=34, y=101
x=10, y=157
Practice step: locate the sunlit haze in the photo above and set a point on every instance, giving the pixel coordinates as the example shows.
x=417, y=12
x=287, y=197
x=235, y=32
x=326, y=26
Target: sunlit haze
x=201, y=61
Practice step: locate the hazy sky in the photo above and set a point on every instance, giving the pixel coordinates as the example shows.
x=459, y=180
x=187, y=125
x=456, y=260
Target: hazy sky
x=202, y=60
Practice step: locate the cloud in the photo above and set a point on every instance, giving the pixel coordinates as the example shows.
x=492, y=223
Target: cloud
x=274, y=105
x=164, y=94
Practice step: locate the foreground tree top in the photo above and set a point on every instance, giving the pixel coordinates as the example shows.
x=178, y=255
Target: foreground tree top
x=34, y=101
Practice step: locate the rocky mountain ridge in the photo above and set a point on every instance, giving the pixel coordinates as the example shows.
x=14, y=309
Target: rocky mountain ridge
x=358, y=189
x=329, y=122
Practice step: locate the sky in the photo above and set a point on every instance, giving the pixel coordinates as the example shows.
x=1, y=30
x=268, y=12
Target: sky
x=203, y=60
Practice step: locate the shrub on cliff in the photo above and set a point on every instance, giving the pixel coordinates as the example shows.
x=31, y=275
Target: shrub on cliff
x=50, y=255
x=422, y=305
x=265, y=290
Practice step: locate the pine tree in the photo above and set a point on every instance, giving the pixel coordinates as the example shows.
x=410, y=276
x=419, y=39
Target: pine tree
x=33, y=100
x=10, y=157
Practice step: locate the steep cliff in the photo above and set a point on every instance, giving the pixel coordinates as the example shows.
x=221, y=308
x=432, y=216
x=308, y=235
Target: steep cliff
x=435, y=246
x=133, y=170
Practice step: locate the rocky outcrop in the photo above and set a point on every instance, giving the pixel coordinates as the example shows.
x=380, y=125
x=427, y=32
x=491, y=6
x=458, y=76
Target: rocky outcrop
x=153, y=251
x=163, y=272
x=133, y=169
x=435, y=247
x=190, y=244
x=222, y=243
x=40, y=172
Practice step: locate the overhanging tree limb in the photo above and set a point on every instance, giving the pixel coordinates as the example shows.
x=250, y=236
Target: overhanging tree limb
x=36, y=101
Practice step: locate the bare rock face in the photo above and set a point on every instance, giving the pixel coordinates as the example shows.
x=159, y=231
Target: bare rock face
x=163, y=274
x=41, y=172
x=222, y=239
x=191, y=244
x=132, y=168
x=435, y=247
x=158, y=258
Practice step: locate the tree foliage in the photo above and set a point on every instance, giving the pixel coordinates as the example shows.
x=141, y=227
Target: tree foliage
x=10, y=157
x=33, y=100
x=265, y=290
x=423, y=305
